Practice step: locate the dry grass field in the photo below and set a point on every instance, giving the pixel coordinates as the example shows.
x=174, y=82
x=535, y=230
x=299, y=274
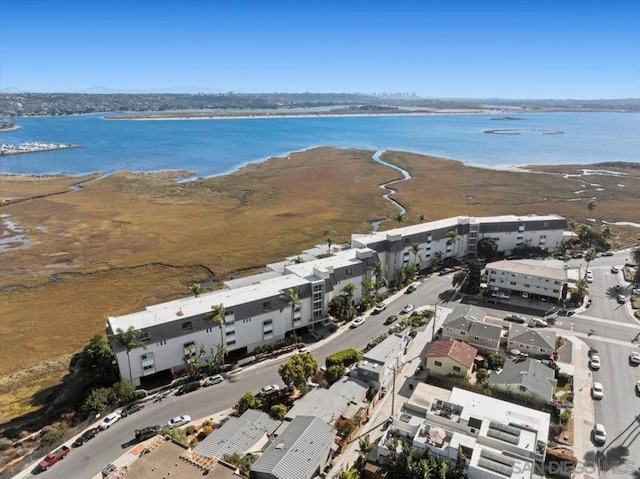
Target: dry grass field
x=125, y=241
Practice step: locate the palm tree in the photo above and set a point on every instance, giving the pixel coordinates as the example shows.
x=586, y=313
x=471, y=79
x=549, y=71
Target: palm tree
x=366, y=446
x=217, y=316
x=415, y=249
x=350, y=290
x=379, y=269
x=589, y=256
x=329, y=232
x=291, y=297
x=195, y=289
x=128, y=340
x=606, y=231
x=401, y=217
x=348, y=473
x=454, y=237
x=591, y=205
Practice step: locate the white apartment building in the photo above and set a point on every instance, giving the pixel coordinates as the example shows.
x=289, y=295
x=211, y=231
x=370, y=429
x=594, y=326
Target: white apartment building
x=538, y=280
x=499, y=439
x=257, y=315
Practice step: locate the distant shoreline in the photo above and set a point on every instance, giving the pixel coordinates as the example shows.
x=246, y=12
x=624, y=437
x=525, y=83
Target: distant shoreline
x=11, y=128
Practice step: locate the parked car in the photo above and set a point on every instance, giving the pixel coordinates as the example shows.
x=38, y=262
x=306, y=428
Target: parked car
x=505, y=296
x=189, y=387
x=622, y=298
x=359, y=321
x=566, y=312
x=538, y=323
x=634, y=357
x=85, y=437
x=577, y=255
x=419, y=369
x=303, y=351
x=108, y=470
x=593, y=352
x=109, y=421
x=599, y=434
x=638, y=387
x=614, y=269
x=594, y=362
x=179, y=421
x=408, y=308
x=379, y=308
x=391, y=319
x=515, y=318
x=131, y=408
x=410, y=289
x=212, y=380
x=147, y=432
x=597, y=391
x=492, y=299
x=269, y=389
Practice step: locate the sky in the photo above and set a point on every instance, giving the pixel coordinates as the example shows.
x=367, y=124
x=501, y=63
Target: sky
x=560, y=49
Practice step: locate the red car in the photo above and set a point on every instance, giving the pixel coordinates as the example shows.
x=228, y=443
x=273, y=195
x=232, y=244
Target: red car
x=53, y=457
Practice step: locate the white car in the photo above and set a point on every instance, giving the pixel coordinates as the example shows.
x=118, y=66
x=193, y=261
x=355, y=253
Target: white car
x=271, y=388
x=599, y=434
x=597, y=391
x=211, y=380
x=179, y=421
x=594, y=362
x=109, y=421
x=359, y=321
x=407, y=309
x=303, y=351
x=638, y=387
x=634, y=357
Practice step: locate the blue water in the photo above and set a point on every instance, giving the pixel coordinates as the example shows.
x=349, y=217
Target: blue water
x=213, y=147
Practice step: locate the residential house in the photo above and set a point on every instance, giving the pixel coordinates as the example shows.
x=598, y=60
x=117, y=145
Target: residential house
x=466, y=323
x=539, y=343
x=377, y=365
x=300, y=452
x=451, y=357
x=525, y=378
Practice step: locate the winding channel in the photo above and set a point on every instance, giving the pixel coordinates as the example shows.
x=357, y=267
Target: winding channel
x=375, y=225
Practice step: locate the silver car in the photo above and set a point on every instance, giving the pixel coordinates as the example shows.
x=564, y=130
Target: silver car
x=599, y=434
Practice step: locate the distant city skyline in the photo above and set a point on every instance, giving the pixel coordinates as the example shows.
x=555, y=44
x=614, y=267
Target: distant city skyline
x=443, y=49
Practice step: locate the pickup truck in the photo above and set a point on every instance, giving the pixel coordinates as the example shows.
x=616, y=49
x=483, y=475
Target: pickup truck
x=53, y=457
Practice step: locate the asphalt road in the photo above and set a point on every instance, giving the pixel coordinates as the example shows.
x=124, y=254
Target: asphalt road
x=87, y=460
x=618, y=410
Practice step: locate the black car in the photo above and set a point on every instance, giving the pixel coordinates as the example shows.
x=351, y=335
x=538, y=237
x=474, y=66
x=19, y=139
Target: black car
x=565, y=312
x=147, y=432
x=410, y=289
x=515, y=318
x=491, y=299
x=86, y=436
x=131, y=408
x=390, y=319
x=189, y=387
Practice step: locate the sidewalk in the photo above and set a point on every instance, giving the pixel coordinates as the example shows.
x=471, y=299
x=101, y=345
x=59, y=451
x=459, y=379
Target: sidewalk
x=583, y=410
x=376, y=425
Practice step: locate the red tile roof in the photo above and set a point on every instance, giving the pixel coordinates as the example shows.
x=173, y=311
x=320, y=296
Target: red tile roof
x=457, y=350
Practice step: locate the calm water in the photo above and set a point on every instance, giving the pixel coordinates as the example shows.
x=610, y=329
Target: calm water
x=212, y=147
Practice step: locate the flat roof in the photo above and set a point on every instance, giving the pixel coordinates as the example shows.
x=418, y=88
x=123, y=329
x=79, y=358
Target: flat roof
x=477, y=405
x=553, y=269
x=381, y=352
x=186, y=307
x=340, y=259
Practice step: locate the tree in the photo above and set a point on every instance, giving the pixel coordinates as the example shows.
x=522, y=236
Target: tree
x=350, y=290
x=248, y=401
x=96, y=402
x=243, y=463
x=216, y=316
x=580, y=290
x=196, y=289
x=334, y=373
x=635, y=254
x=329, y=233
x=365, y=445
x=123, y=392
x=278, y=411
x=291, y=297
x=341, y=308
x=592, y=205
x=495, y=361
x=422, y=218
x=454, y=237
x=348, y=473
x=589, y=256
x=401, y=217
x=297, y=371
x=606, y=231
x=96, y=362
x=458, y=278
x=487, y=248
x=379, y=269
x=415, y=249
x=128, y=340
x=482, y=375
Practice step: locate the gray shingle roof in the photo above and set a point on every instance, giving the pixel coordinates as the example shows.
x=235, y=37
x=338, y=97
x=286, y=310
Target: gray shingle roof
x=298, y=451
x=381, y=352
x=471, y=319
x=238, y=435
x=530, y=373
x=541, y=338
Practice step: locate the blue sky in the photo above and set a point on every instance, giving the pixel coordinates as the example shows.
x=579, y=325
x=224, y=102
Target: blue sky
x=471, y=49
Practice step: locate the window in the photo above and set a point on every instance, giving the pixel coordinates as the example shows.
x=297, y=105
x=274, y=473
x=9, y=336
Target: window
x=429, y=238
x=527, y=285
x=456, y=369
x=520, y=228
x=144, y=337
x=476, y=338
x=267, y=327
x=231, y=343
x=189, y=349
x=349, y=271
x=187, y=326
x=438, y=363
x=512, y=283
x=266, y=306
x=230, y=333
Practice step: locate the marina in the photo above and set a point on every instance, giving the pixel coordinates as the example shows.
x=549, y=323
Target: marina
x=33, y=147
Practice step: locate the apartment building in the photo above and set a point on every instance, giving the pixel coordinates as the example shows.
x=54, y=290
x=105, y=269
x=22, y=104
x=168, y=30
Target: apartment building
x=529, y=279
x=256, y=314
x=499, y=439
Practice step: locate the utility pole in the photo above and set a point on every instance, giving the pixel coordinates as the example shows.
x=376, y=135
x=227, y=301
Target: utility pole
x=393, y=392
x=435, y=317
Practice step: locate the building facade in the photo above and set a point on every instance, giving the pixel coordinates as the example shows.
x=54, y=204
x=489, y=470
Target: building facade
x=256, y=313
x=535, y=280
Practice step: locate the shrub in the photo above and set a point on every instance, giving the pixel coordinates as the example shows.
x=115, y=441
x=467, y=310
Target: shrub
x=123, y=391
x=495, y=361
x=334, y=373
x=278, y=411
x=190, y=430
x=52, y=436
x=343, y=358
x=96, y=402
x=201, y=435
x=482, y=375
